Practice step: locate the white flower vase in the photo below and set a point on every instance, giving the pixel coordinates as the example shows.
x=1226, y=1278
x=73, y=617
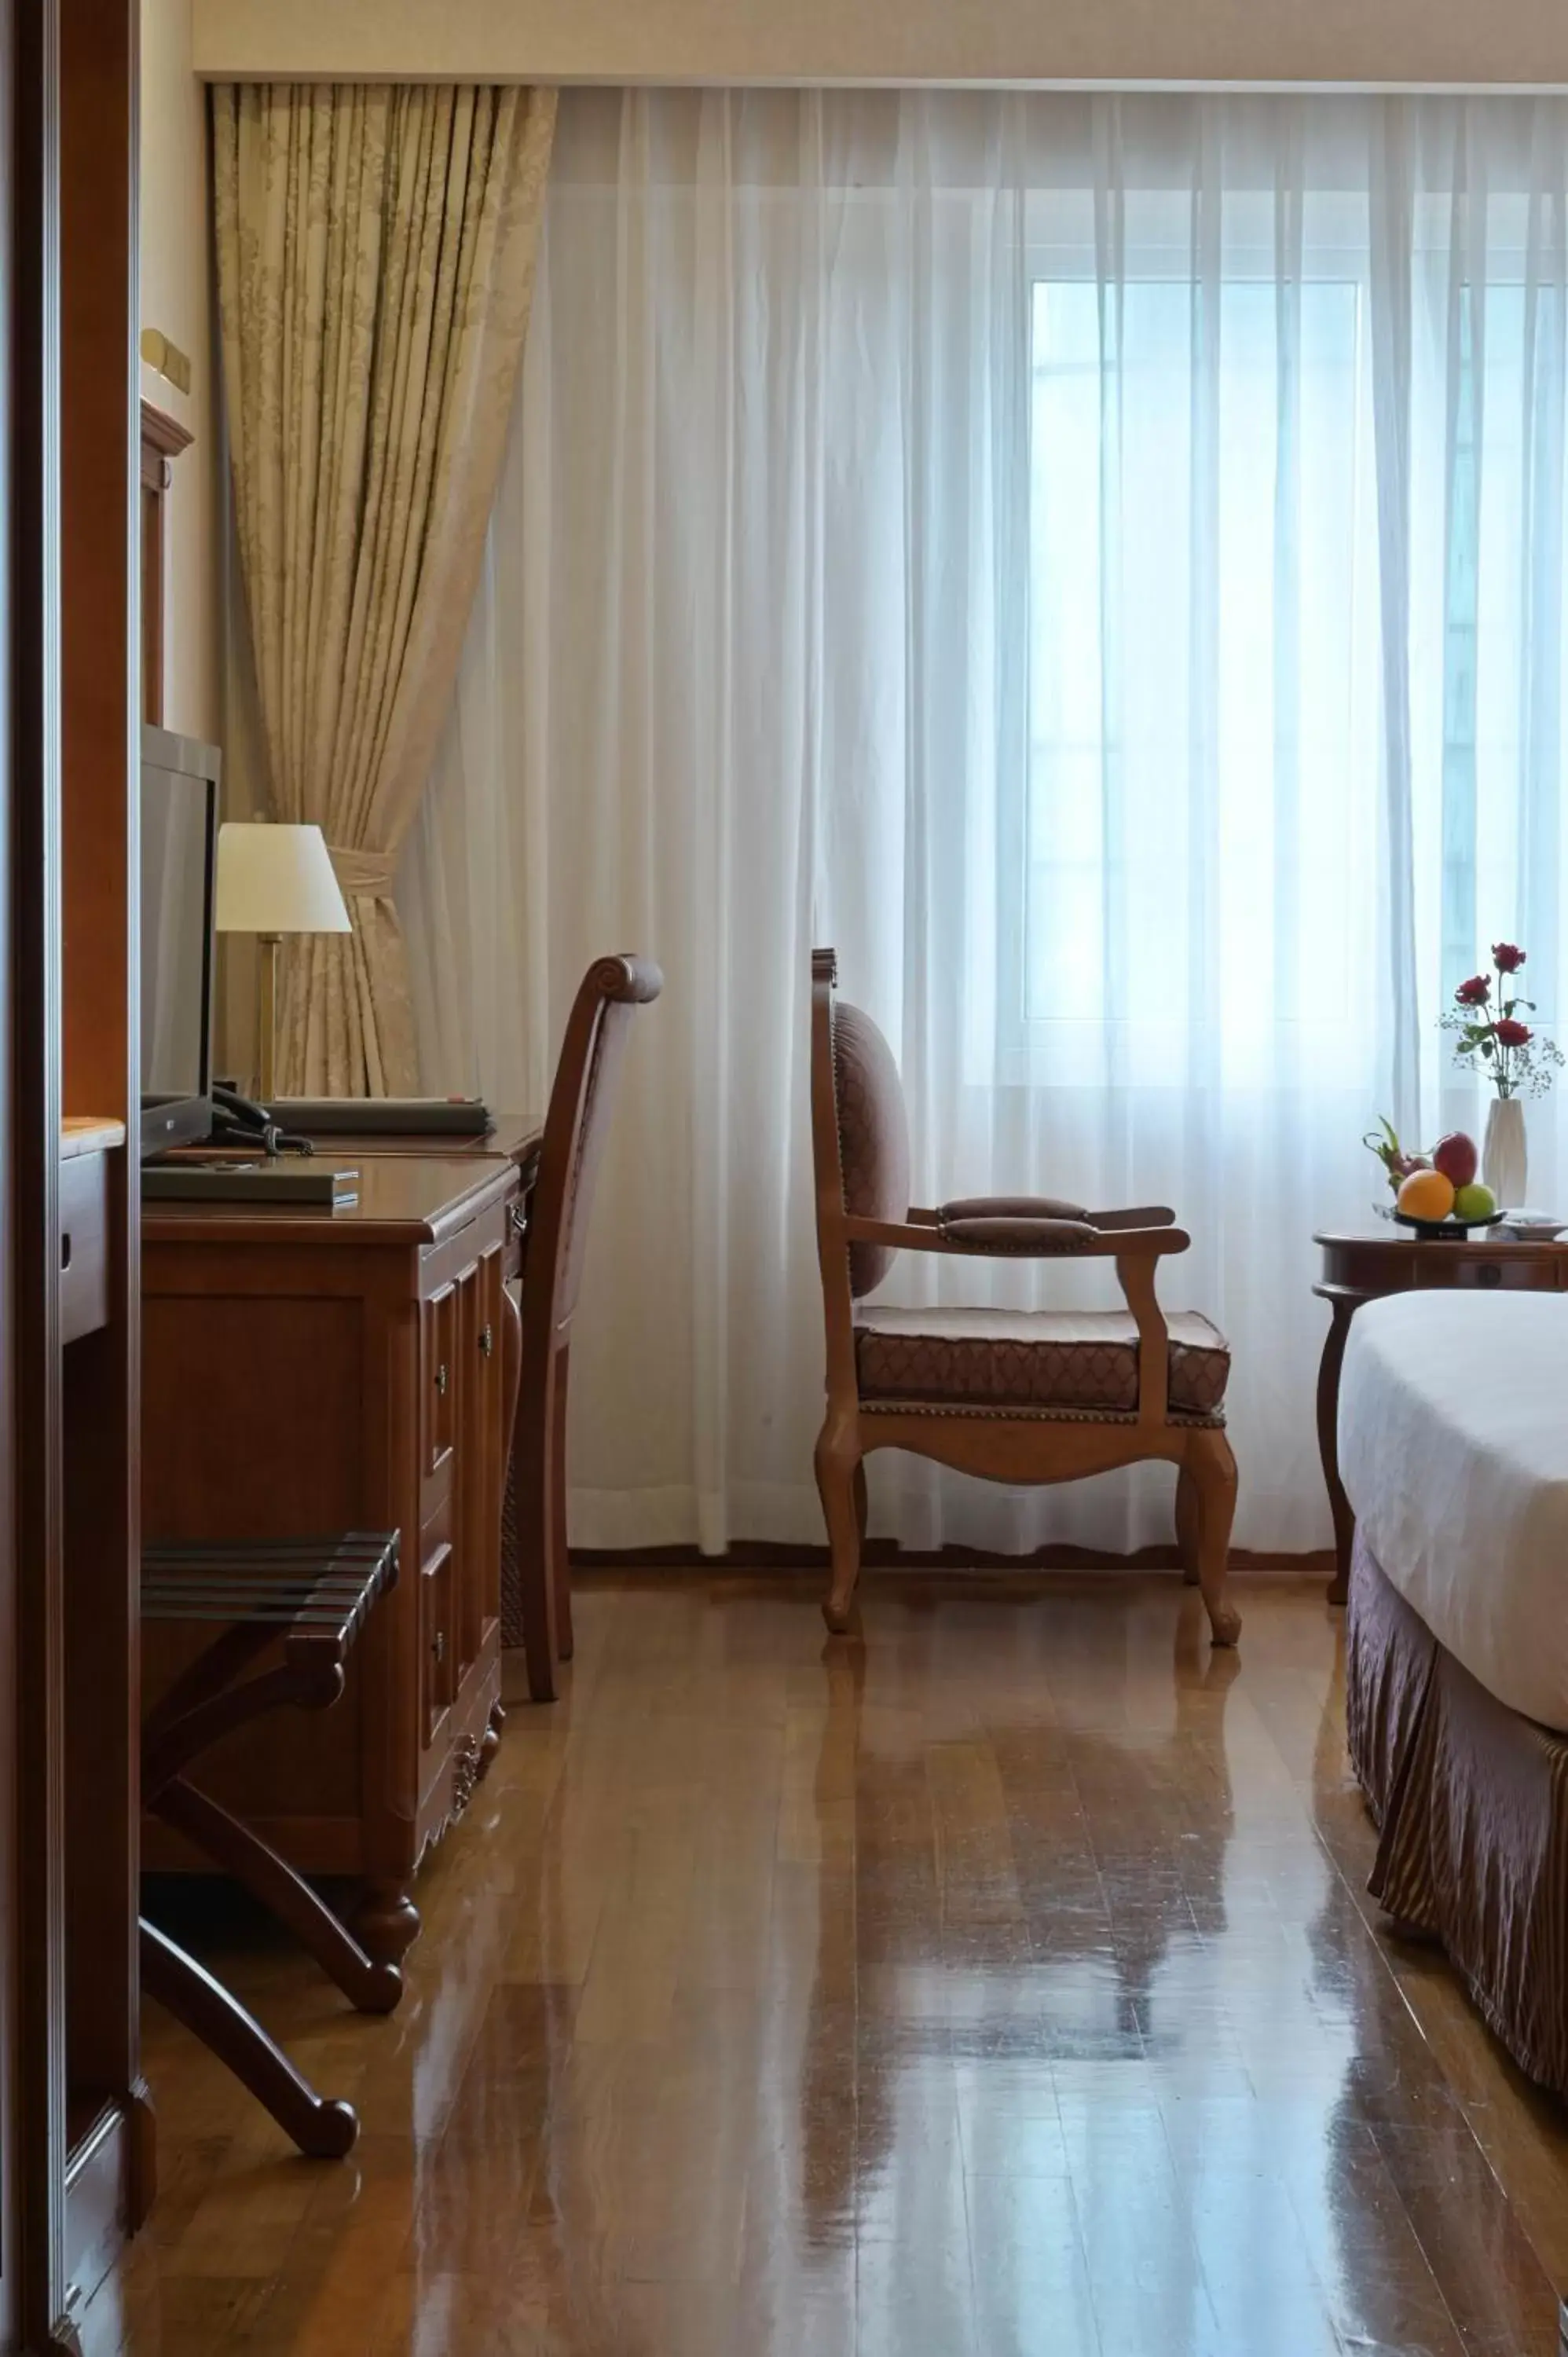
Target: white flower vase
x=1505, y=1164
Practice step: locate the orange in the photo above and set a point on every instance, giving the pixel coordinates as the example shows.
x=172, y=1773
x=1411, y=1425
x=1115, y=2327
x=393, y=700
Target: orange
x=1427, y=1195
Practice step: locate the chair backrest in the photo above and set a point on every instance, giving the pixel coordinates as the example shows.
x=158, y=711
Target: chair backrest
x=574, y=1131
x=859, y=1127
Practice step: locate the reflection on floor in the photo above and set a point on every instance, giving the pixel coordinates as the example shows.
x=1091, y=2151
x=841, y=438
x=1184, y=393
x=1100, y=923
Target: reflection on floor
x=1004, y=1985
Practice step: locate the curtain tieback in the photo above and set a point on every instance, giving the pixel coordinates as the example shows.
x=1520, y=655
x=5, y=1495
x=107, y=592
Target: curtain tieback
x=363, y=875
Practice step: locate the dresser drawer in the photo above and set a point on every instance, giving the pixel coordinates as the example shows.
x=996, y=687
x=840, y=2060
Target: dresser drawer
x=83, y=1245
x=1498, y=1272
x=439, y=1369
x=437, y=1670
x=437, y=1630
x=519, y=1214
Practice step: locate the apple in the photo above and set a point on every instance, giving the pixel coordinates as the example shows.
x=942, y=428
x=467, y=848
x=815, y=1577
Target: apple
x=1474, y=1201
x=1456, y=1157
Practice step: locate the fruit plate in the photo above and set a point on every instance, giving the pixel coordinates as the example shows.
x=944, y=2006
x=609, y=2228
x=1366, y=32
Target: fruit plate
x=1448, y=1230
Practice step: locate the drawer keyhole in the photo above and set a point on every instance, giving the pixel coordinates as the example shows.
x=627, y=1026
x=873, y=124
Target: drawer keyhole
x=441, y=1379
x=438, y=1644
x=486, y=1341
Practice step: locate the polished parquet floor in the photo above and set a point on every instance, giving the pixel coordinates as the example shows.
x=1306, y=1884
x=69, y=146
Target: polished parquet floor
x=1002, y=1984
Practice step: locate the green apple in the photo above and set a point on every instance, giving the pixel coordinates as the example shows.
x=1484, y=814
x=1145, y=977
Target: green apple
x=1474, y=1201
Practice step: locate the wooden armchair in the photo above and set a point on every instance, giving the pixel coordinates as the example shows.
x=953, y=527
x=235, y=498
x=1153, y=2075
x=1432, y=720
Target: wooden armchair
x=1015, y=1396
x=536, y=1588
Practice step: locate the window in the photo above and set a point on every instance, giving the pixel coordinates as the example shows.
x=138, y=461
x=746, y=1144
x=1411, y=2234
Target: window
x=1202, y=791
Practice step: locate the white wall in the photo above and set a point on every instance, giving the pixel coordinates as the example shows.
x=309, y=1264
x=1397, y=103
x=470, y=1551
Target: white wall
x=176, y=244
x=1467, y=42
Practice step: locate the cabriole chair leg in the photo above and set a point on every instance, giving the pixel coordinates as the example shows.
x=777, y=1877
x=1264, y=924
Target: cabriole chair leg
x=841, y=1485
x=1213, y=1468
x=1188, y=1524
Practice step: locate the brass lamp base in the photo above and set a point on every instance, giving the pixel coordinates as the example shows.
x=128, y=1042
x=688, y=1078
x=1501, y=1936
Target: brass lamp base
x=266, y=1086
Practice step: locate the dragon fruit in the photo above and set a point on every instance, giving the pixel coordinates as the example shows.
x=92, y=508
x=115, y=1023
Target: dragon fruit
x=1383, y=1142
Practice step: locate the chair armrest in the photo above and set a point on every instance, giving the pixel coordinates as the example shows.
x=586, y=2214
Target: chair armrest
x=1020, y=1239
x=1044, y=1207
x=1017, y=1236
x=1009, y=1207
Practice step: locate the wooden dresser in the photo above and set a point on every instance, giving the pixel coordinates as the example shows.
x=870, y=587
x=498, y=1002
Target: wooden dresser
x=306, y=1373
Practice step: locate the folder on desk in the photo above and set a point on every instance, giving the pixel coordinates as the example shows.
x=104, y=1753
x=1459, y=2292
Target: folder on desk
x=288, y=1183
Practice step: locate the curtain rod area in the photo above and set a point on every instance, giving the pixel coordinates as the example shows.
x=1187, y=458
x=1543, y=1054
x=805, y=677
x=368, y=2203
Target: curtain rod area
x=1087, y=89
x=1425, y=47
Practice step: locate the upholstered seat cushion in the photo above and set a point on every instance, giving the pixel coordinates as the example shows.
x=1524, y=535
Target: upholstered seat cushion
x=1083, y=1360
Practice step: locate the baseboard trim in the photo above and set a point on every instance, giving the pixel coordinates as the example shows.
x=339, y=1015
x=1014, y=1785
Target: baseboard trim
x=886, y=1554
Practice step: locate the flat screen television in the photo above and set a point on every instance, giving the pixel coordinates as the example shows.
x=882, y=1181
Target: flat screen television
x=179, y=862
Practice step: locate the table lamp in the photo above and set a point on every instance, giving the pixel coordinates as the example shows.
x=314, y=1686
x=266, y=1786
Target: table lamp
x=273, y=880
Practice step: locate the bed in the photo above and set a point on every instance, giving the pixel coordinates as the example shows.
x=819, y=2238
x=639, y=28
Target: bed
x=1453, y=1452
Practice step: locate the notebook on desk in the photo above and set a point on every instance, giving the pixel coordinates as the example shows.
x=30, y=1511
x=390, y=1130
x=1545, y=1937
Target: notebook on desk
x=384, y=1116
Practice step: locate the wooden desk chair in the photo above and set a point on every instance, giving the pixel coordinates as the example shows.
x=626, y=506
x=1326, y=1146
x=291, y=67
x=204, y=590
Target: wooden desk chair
x=1020, y=1396
x=536, y=1588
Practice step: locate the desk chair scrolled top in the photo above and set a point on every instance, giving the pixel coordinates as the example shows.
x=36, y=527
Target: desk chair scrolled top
x=536, y=1594
x=1020, y=1396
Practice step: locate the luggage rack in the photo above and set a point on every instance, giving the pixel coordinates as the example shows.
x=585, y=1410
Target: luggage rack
x=305, y=1600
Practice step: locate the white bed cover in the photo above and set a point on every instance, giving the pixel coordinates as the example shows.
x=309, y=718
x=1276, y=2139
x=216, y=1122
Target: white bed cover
x=1453, y=1452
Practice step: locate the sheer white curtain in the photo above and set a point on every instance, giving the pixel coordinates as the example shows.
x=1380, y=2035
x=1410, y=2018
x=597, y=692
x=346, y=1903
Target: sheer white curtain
x=1099, y=562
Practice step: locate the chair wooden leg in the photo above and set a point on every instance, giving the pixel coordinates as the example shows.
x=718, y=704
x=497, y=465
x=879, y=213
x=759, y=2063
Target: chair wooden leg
x=840, y=1481
x=536, y=1514
x=324, y=2130
x=861, y=1500
x=560, y=1564
x=1188, y=1516
x=1213, y=1469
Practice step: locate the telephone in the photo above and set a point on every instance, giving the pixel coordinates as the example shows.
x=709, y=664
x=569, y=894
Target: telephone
x=236, y=1121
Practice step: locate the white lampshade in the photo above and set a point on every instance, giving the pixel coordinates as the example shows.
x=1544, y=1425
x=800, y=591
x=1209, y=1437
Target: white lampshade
x=276, y=879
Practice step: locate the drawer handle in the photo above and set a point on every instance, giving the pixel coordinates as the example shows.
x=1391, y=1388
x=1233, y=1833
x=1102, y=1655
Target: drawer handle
x=441, y=1379
x=1489, y=1273
x=65, y=1248
x=486, y=1341
x=519, y=1218
x=438, y=1644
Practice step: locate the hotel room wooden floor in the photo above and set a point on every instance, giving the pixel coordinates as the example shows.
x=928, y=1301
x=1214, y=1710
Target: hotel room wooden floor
x=1003, y=1985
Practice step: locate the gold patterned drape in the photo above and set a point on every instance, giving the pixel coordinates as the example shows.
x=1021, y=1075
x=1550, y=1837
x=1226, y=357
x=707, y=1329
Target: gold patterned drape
x=375, y=263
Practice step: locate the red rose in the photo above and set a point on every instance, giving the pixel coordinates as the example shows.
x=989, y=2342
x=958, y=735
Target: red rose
x=1505, y=957
x=1512, y=1034
x=1473, y=992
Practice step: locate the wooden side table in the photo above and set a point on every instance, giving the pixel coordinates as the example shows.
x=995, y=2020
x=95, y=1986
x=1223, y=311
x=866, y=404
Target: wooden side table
x=1365, y=1266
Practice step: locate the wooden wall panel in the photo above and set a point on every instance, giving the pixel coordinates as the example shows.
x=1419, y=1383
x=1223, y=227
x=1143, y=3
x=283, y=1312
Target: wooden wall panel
x=101, y=692
x=35, y=2090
